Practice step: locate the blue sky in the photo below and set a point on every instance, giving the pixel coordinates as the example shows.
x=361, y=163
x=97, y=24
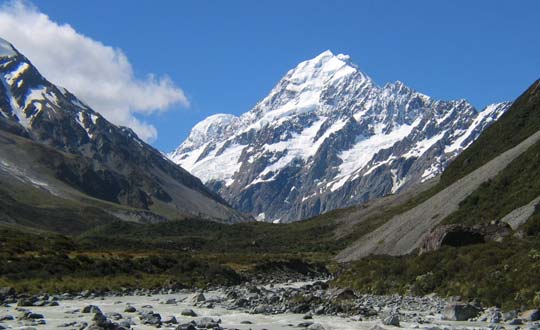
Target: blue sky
x=227, y=55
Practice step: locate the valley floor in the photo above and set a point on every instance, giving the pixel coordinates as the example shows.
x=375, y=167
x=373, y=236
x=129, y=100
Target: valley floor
x=255, y=307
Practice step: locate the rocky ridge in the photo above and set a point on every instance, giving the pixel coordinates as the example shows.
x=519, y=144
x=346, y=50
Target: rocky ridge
x=90, y=154
x=328, y=137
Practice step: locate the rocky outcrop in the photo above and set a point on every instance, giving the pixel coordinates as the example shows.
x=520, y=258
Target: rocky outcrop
x=460, y=235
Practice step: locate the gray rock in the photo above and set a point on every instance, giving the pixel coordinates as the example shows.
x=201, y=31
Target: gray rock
x=68, y=325
x=91, y=309
x=186, y=326
x=305, y=324
x=33, y=316
x=307, y=316
x=171, y=301
x=460, y=312
x=510, y=315
x=151, y=318
x=377, y=327
x=25, y=302
x=531, y=315
x=169, y=320
x=199, y=298
x=189, y=312
x=207, y=322
x=6, y=318
x=316, y=326
x=516, y=322
x=262, y=309
x=6, y=292
x=130, y=309
x=391, y=320
x=114, y=316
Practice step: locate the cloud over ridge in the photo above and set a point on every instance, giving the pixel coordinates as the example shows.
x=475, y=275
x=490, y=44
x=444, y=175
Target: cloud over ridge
x=100, y=75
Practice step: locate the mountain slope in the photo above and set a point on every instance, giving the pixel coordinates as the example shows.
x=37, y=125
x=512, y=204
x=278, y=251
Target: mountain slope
x=501, y=178
x=95, y=157
x=327, y=137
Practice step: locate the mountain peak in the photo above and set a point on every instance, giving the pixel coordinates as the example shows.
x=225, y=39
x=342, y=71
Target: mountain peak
x=324, y=66
x=326, y=131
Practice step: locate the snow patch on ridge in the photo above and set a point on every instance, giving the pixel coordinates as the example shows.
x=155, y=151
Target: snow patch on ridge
x=6, y=49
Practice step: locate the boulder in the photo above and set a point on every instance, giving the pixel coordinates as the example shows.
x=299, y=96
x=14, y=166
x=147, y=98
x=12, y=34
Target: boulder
x=130, y=309
x=186, y=326
x=6, y=292
x=171, y=301
x=262, y=309
x=207, y=322
x=460, y=235
x=114, y=316
x=531, y=315
x=189, y=312
x=343, y=294
x=307, y=316
x=510, y=315
x=25, y=302
x=391, y=320
x=91, y=309
x=199, y=298
x=460, y=312
x=316, y=326
x=169, y=320
x=33, y=316
x=151, y=318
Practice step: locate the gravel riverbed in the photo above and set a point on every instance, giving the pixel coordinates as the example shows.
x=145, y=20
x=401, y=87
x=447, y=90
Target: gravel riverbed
x=301, y=305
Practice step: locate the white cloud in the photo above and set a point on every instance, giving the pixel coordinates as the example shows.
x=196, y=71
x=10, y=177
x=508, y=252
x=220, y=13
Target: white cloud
x=98, y=74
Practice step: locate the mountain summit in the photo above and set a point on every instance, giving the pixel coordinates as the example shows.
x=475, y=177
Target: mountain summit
x=327, y=137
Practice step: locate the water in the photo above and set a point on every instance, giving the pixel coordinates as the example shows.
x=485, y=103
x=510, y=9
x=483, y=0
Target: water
x=56, y=316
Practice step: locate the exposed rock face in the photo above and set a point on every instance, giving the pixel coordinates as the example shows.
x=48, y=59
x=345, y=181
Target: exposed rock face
x=94, y=156
x=328, y=137
x=459, y=235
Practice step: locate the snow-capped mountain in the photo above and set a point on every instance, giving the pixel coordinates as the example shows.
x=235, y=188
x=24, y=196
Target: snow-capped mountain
x=327, y=137
x=102, y=160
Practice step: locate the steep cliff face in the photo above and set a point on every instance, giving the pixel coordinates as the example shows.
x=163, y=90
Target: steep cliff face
x=327, y=137
x=107, y=162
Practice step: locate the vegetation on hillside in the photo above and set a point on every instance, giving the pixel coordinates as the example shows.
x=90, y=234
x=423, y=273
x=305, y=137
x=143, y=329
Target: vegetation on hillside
x=518, y=123
x=499, y=274
x=515, y=186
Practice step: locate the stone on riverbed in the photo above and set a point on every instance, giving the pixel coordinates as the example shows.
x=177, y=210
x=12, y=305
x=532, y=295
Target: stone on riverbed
x=199, y=298
x=207, y=322
x=189, y=312
x=460, y=312
x=170, y=320
x=130, y=309
x=91, y=309
x=531, y=315
x=316, y=326
x=151, y=318
x=391, y=320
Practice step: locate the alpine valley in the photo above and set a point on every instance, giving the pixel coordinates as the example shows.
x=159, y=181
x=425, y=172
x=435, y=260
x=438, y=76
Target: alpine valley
x=422, y=213
x=328, y=137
